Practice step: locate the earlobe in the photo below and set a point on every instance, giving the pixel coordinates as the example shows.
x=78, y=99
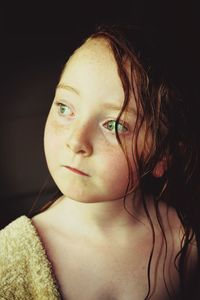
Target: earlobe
x=160, y=168
x=158, y=171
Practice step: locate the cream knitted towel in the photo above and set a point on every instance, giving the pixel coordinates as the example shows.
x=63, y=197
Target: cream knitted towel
x=25, y=271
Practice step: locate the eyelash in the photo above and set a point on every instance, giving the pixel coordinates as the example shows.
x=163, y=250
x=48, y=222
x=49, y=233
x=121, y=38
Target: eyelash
x=59, y=105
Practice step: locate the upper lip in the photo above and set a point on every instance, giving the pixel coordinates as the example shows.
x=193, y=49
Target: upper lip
x=76, y=170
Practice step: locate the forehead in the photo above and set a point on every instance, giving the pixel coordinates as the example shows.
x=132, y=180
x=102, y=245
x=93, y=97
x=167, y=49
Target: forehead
x=94, y=58
x=93, y=50
x=93, y=70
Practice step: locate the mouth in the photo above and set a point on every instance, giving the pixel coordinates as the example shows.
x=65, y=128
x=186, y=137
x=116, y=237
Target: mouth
x=76, y=171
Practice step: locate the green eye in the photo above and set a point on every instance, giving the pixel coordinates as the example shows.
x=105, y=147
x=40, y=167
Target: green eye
x=120, y=127
x=62, y=109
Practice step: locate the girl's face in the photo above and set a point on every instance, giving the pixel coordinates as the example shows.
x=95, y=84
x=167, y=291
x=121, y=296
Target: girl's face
x=80, y=128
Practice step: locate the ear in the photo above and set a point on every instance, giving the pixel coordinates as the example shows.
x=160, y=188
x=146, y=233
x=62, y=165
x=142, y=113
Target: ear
x=161, y=167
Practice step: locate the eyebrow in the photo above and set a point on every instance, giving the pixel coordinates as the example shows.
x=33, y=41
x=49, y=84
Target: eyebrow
x=114, y=107
x=106, y=105
x=68, y=88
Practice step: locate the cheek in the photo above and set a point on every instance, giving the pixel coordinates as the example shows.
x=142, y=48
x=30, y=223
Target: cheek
x=138, y=147
x=52, y=142
x=113, y=168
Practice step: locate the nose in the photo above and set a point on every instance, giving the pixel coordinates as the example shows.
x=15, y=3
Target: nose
x=79, y=140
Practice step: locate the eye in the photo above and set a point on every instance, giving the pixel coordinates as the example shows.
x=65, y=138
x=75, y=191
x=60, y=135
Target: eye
x=120, y=127
x=63, y=109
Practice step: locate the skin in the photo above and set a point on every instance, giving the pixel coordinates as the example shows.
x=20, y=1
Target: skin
x=78, y=135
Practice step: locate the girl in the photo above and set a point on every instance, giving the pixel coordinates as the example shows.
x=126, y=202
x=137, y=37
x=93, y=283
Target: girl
x=116, y=145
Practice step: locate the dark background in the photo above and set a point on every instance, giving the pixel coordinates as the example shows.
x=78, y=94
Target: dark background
x=36, y=41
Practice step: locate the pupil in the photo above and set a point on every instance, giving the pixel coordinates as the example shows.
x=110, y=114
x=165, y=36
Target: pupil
x=111, y=126
x=62, y=109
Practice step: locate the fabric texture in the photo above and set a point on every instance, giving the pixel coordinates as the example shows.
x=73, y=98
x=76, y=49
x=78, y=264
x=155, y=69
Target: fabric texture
x=25, y=271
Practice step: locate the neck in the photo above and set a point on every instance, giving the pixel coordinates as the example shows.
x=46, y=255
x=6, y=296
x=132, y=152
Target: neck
x=105, y=217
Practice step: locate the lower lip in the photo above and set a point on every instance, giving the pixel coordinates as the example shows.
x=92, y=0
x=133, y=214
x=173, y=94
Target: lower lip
x=76, y=171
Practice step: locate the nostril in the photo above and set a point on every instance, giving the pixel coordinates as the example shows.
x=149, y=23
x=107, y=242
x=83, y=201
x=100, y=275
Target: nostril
x=80, y=148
